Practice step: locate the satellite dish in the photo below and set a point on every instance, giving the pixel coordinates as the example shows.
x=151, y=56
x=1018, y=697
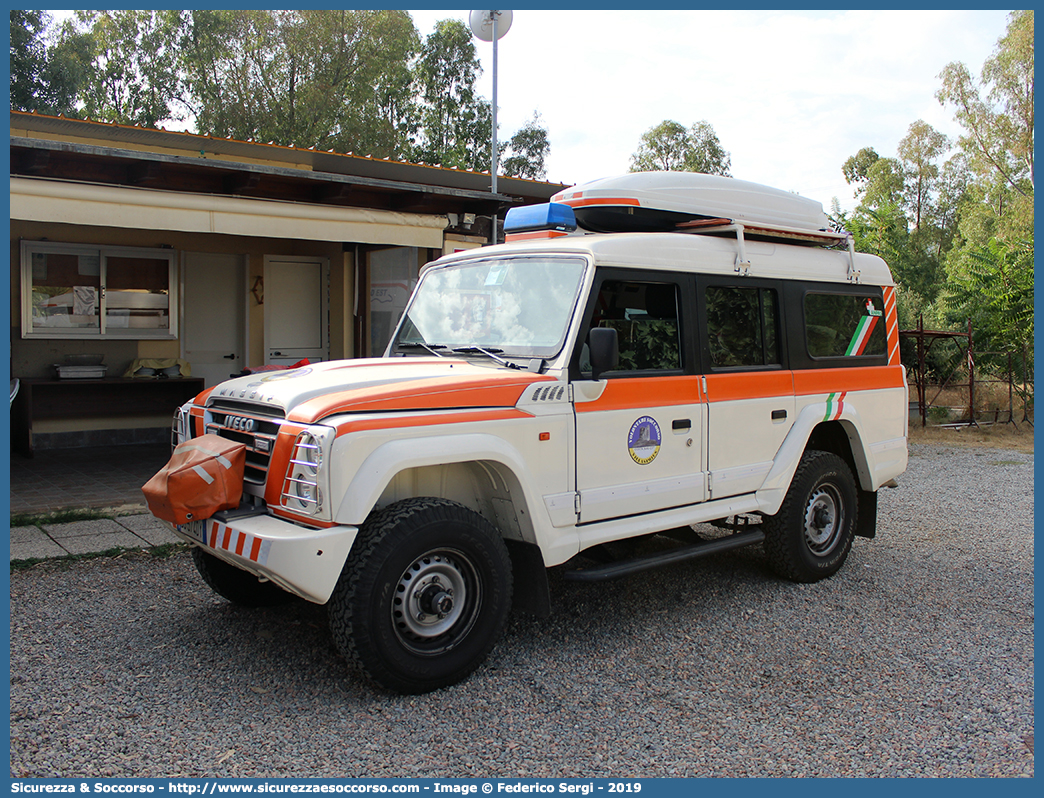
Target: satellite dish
x=482, y=24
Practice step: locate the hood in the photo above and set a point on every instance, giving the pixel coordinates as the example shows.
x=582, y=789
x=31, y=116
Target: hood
x=313, y=392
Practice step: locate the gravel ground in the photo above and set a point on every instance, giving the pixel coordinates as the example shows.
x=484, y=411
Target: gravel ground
x=915, y=660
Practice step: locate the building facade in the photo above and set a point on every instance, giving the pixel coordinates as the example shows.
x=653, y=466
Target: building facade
x=151, y=245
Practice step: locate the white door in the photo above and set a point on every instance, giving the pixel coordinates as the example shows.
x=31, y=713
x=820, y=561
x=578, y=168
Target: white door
x=639, y=445
x=213, y=332
x=297, y=322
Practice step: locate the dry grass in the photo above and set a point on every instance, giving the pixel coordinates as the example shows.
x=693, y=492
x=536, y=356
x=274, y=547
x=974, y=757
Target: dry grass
x=998, y=436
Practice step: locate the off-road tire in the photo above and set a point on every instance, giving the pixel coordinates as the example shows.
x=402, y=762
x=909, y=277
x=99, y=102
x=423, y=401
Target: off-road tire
x=412, y=560
x=236, y=585
x=811, y=535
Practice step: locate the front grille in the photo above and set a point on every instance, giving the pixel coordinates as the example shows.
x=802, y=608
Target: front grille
x=243, y=424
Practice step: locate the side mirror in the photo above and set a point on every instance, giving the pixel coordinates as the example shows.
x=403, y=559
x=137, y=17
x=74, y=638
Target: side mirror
x=605, y=350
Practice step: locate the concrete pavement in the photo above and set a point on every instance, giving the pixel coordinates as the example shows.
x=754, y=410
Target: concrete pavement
x=140, y=531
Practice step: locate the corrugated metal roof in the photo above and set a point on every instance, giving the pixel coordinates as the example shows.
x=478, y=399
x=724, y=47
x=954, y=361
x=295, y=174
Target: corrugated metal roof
x=331, y=163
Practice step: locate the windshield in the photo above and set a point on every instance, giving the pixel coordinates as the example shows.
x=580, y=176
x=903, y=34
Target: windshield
x=514, y=306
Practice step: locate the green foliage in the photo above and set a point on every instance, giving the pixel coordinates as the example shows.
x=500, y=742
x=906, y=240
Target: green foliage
x=669, y=146
x=334, y=79
x=999, y=126
x=132, y=76
x=993, y=286
x=456, y=124
x=44, y=78
x=648, y=344
x=329, y=79
x=958, y=233
x=857, y=168
x=526, y=152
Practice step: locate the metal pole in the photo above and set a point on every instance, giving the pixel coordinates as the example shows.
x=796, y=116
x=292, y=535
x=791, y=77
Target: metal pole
x=493, y=154
x=922, y=380
x=971, y=378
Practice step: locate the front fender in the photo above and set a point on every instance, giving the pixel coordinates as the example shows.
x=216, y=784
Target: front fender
x=388, y=459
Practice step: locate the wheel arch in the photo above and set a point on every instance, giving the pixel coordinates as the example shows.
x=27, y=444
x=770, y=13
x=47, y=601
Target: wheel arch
x=480, y=472
x=811, y=431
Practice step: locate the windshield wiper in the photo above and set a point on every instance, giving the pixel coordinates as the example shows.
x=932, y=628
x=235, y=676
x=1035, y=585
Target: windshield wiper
x=420, y=345
x=490, y=353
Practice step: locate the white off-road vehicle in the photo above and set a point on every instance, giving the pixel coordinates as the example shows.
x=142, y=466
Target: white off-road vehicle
x=646, y=354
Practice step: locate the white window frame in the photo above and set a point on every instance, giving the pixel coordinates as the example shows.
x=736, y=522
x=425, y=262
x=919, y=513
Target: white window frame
x=103, y=331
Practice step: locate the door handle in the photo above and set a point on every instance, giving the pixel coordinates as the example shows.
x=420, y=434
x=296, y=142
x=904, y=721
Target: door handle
x=778, y=415
x=230, y=357
x=681, y=424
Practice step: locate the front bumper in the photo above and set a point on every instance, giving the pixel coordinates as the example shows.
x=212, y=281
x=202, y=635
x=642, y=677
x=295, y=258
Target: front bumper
x=304, y=561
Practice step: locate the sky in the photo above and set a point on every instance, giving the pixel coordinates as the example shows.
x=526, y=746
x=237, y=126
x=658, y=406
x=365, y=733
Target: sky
x=790, y=94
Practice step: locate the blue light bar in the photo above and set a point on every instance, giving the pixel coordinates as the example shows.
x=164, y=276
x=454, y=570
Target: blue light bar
x=547, y=216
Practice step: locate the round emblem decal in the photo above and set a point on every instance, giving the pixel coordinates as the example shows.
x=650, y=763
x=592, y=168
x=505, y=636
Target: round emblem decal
x=644, y=439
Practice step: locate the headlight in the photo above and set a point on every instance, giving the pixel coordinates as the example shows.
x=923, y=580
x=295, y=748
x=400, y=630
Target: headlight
x=179, y=428
x=301, y=486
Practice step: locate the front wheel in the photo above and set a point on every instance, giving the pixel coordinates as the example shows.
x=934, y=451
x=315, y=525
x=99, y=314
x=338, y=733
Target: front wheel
x=811, y=535
x=424, y=595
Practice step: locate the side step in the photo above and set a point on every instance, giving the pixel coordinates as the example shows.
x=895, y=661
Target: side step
x=679, y=554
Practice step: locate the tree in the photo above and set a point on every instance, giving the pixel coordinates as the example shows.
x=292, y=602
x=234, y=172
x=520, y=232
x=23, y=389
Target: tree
x=329, y=79
x=528, y=149
x=669, y=146
x=857, y=168
x=990, y=265
x=918, y=153
x=44, y=78
x=999, y=127
x=132, y=76
x=455, y=123
x=993, y=286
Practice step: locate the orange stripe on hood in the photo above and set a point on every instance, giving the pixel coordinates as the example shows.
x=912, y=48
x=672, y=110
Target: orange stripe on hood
x=431, y=393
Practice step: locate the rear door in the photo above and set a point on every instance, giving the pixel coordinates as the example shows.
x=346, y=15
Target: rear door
x=639, y=437
x=750, y=390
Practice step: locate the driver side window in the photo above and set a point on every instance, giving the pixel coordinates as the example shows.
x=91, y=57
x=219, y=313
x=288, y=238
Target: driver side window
x=645, y=317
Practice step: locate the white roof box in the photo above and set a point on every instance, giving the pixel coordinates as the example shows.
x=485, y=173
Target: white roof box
x=660, y=201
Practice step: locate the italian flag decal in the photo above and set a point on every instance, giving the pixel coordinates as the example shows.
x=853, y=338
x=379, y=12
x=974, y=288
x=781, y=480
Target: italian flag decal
x=863, y=330
x=835, y=405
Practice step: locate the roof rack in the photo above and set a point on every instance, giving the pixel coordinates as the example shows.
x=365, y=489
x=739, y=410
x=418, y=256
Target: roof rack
x=741, y=228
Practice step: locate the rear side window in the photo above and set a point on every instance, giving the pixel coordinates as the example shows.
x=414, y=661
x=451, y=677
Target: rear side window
x=844, y=325
x=742, y=326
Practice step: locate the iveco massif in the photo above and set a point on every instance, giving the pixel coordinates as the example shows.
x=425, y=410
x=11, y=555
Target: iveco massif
x=692, y=357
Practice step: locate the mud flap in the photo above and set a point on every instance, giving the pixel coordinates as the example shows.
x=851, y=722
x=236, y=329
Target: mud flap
x=866, y=520
x=203, y=476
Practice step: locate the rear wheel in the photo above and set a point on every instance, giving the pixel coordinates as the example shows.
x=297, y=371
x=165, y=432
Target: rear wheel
x=424, y=595
x=237, y=585
x=811, y=535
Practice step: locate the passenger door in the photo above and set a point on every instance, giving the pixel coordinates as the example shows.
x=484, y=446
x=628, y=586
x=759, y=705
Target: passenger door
x=750, y=392
x=639, y=428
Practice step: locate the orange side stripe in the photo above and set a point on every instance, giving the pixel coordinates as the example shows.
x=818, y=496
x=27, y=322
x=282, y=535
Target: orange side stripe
x=645, y=392
x=868, y=378
x=891, y=325
x=255, y=549
x=436, y=393
x=534, y=235
x=749, y=385
x=301, y=518
x=577, y=202
x=464, y=417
